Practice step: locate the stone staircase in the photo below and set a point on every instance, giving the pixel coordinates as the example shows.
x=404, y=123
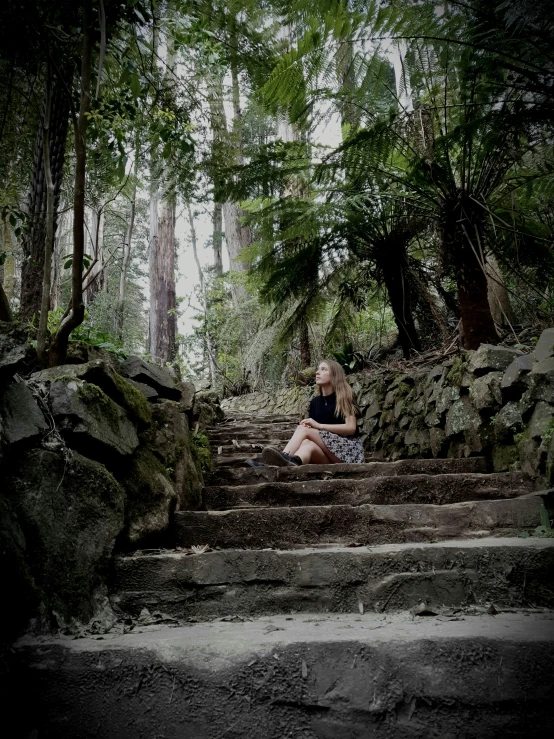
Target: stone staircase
x=393, y=599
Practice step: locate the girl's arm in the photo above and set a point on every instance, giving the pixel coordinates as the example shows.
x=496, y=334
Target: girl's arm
x=348, y=428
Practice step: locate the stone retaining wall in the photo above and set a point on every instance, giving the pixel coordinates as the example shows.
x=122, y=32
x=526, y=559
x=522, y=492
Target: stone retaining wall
x=496, y=401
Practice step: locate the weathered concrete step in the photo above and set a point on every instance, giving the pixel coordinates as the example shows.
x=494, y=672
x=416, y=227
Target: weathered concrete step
x=437, y=489
x=257, y=420
x=235, y=461
x=288, y=528
x=507, y=572
x=253, y=475
x=323, y=677
x=245, y=446
x=251, y=436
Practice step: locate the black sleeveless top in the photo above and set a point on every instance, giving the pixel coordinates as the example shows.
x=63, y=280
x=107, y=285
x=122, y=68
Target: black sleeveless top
x=322, y=410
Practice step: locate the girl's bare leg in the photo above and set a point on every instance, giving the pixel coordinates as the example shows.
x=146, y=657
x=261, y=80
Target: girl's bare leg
x=304, y=433
x=310, y=453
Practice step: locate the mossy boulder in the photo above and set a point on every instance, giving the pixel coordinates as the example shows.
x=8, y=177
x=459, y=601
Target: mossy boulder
x=70, y=511
x=110, y=382
x=91, y=421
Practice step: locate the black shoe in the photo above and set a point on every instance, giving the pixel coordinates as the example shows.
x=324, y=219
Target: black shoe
x=273, y=456
x=255, y=463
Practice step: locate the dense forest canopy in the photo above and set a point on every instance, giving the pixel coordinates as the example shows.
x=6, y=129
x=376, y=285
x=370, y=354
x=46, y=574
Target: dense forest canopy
x=378, y=177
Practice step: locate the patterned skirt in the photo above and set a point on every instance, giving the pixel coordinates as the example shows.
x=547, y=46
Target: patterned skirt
x=348, y=449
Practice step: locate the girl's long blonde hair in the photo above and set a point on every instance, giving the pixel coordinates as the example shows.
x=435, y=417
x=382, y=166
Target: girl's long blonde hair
x=345, y=400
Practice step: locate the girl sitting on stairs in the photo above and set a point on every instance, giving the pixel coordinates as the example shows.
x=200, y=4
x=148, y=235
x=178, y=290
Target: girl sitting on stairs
x=329, y=435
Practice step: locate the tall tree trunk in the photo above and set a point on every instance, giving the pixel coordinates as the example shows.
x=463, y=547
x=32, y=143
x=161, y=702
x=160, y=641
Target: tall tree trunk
x=217, y=239
x=499, y=300
x=237, y=236
x=76, y=310
x=119, y=316
x=95, y=276
x=208, y=339
x=49, y=228
x=33, y=240
x=162, y=287
x=163, y=305
x=392, y=262
x=59, y=244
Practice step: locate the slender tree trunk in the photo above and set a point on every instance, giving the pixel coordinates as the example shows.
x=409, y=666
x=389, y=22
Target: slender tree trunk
x=119, y=316
x=237, y=236
x=499, y=300
x=208, y=339
x=218, y=238
x=76, y=310
x=59, y=243
x=49, y=240
x=94, y=278
x=393, y=265
x=34, y=238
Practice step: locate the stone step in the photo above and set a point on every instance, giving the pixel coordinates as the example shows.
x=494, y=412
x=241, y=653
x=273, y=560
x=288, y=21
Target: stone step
x=245, y=446
x=507, y=572
x=252, y=475
x=289, y=528
x=257, y=420
x=436, y=489
x=252, y=436
x=322, y=677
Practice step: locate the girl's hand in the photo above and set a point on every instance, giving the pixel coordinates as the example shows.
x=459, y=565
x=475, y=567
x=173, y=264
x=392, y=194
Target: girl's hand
x=310, y=423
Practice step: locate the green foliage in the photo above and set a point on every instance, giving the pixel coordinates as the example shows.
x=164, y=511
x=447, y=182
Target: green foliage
x=88, y=334
x=201, y=452
x=348, y=359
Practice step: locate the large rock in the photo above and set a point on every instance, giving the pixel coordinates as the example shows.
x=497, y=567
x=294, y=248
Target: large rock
x=90, y=420
x=16, y=354
x=491, y=358
x=461, y=417
x=545, y=345
x=542, y=420
x=102, y=375
x=169, y=440
x=207, y=410
x=187, y=396
x=542, y=380
x=137, y=369
x=80, y=353
x=70, y=510
x=20, y=416
x=513, y=379
x=151, y=499
x=485, y=391
x=508, y=420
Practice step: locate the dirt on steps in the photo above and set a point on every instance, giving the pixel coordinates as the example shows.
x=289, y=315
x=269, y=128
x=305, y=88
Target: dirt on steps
x=507, y=572
x=319, y=677
x=252, y=475
x=437, y=489
x=287, y=528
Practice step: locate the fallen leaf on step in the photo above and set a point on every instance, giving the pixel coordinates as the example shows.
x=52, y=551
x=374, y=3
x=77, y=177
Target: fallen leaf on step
x=304, y=669
x=354, y=544
x=220, y=450
x=361, y=606
x=492, y=610
x=200, y=548
x=271, y=628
